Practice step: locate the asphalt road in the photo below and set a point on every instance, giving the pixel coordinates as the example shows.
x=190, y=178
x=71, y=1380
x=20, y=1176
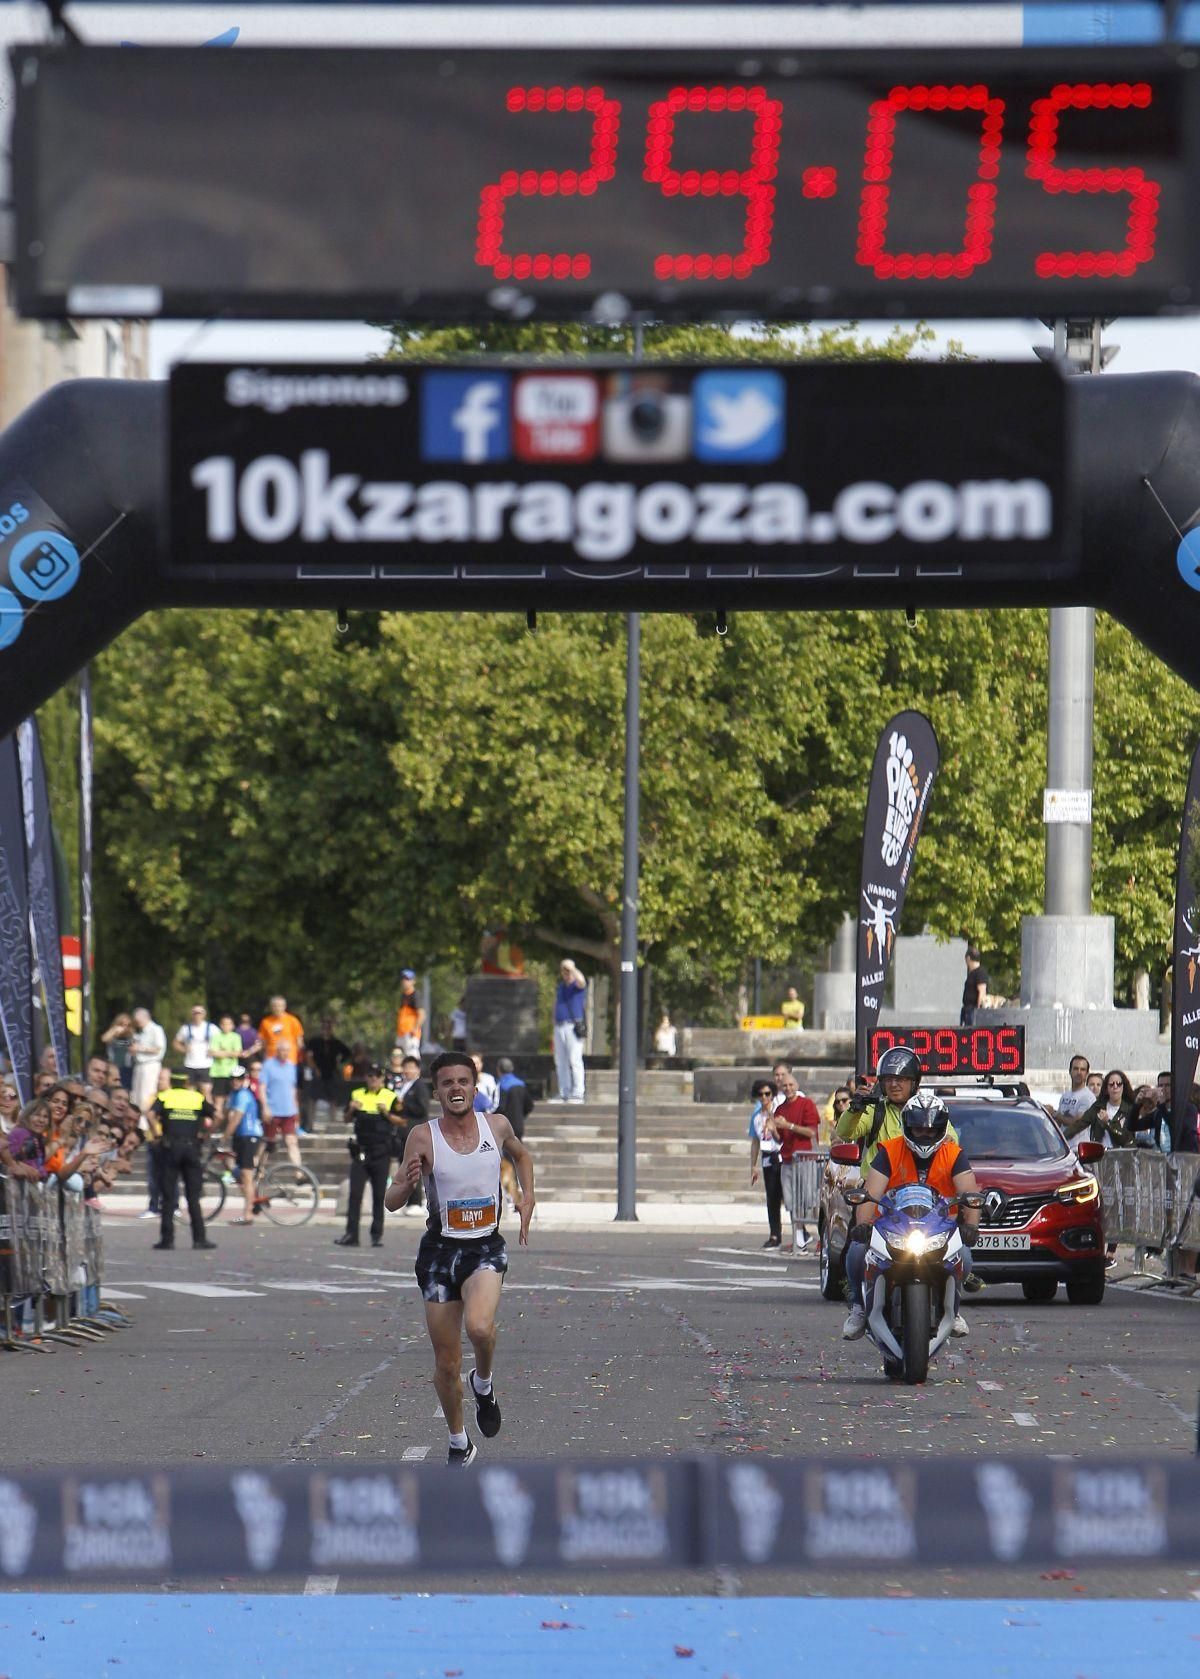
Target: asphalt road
x=281, y=1346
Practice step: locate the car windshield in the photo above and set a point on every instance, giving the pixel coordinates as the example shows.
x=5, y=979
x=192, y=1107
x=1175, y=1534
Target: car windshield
x=996, y=1133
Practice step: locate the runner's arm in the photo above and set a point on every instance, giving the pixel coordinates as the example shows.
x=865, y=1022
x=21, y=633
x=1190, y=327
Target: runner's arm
x=408, y=1173
x=522, y=1160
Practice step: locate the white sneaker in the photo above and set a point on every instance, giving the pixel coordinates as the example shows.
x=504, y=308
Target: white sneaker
x=575, y=1099
x=855, y=1326
x=148, y=1214
x=961, y=1326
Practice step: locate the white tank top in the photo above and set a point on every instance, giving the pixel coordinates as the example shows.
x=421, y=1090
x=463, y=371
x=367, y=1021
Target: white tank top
x=463, y=1190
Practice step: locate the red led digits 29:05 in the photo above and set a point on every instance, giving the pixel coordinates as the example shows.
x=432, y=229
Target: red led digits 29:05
x=756, y=180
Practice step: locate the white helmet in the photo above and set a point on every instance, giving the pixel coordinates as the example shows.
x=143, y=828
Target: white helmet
x=925, y=1119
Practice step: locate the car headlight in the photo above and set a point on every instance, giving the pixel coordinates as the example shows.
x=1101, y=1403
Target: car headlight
x=1080, y=1191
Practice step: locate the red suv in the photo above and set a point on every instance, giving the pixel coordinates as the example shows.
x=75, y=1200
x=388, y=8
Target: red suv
x=1041, y=1222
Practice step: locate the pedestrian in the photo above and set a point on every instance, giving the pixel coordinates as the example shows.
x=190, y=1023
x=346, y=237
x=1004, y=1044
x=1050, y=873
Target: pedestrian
x=1079, y=1098
x=118, y=1040
x=326, y=1055
x=281, y=1027
x=194, y=1038
x=1095, y=1083
x=279, y=1096
x=9, y=1106
x=1109, y=1122
x=666, y=1038
x=251, y=1038
x=975, y=989
x=244, y=1133
x=836, y=1106
x=226, y=1053
x=413, y=1092
x=374, y=1112
x=462, y=1258
x=487, y=1092
x=1150, y=1122
x=410, y=1016
x=458, y=1024
x=764, y=1152
x=795, y=1122
x=178, y=1119
x=570, y=1030
x=516, y=1104
x=792, y=1009
x=149, y=1046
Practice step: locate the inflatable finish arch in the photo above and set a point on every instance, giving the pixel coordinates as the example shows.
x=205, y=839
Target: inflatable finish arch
x=84, y=534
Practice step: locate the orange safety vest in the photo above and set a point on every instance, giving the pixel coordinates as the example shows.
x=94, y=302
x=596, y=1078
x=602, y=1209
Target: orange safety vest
x=939, y=1175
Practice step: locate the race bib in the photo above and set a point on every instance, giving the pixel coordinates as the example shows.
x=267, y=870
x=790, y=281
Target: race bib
x=470, y=1215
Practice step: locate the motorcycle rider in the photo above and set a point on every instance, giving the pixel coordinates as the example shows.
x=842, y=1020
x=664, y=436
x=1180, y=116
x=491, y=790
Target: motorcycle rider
x=925, y=1152
x=873, y=1116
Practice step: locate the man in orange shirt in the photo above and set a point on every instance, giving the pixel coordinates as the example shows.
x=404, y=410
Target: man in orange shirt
x=410, y=1016
x=280, y=1025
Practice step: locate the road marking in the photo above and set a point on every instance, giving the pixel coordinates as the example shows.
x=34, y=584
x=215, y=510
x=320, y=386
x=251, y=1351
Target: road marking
x=414, y=1454
x=740, y=1253
x=571, y=1270
x=1130, y=1381
x=724, y=1265
x=187, y=1331
x=292, y=1285
x=203, y=1291
x=118, y=1293
x=339, y=1405
x=321, y=1585
x=991, y=1387
x=1024, y=1419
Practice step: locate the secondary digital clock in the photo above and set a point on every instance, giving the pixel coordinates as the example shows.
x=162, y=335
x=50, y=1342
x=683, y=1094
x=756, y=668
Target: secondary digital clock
x=956, y=1051
x=426, y=184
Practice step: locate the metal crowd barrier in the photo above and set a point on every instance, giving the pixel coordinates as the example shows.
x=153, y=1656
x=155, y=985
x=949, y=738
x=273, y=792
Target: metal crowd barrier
x=1150, y=1199
x=51, y=1254
x=137, y=1526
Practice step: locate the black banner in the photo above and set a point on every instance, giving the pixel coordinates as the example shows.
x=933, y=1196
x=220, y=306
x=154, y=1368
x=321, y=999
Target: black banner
x=44, y=918
x=140, y=1525
x=906, y=762
x=576, y=477
x=86, y=921
x=1185, y=953
x=16, y=964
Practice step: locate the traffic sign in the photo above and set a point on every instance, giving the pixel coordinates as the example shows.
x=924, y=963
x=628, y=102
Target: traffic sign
x=596, y=182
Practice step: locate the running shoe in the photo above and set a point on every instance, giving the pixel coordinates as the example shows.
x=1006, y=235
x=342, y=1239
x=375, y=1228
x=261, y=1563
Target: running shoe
x=855, y=1326
x=487, y=1411
x=961, y=1327
x=462, y=1459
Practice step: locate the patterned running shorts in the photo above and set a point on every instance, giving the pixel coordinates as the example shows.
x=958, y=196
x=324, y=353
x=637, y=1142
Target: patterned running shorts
x=443, y=1266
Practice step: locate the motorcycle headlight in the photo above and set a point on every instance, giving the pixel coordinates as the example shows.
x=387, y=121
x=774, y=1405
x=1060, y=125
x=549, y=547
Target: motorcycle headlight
x=915, y=1242
x=1079, y=1192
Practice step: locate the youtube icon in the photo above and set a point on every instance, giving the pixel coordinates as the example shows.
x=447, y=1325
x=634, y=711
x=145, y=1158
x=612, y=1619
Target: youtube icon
x=556, y=417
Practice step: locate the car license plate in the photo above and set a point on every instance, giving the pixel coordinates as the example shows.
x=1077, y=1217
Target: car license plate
x=1000, y=1241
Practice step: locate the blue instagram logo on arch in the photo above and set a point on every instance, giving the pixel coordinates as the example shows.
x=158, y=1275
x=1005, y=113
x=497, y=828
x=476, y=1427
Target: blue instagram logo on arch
x=43, y=566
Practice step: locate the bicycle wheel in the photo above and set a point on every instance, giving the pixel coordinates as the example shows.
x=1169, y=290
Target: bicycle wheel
x=212, y=1194
x=289, y=1194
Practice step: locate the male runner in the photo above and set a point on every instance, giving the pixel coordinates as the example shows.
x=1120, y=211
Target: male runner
x=462, y=1257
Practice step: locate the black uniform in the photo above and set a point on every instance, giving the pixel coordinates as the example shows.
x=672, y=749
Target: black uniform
x=181, y=1114
x=414, y=1109
x=370, y=1156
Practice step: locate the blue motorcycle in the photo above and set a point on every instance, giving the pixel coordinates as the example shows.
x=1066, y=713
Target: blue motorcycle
x=915, y=1262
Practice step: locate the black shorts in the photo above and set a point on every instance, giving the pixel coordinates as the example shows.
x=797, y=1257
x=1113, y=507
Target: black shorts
x=245, y=1152
x=199, y=1078
x=222, y=1086
x=443, y=1266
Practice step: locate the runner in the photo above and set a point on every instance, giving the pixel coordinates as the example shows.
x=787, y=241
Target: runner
x=462, y=1257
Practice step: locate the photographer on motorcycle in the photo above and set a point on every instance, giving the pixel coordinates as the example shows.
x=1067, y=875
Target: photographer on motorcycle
x=926, y=1152
x=873, y=1116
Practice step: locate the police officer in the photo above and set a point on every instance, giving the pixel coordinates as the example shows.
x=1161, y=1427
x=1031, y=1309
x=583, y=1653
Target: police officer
x=178, y=1119
x=376, y=1113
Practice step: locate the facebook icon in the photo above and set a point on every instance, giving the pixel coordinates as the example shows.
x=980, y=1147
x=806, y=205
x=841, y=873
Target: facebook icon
x=465, y=417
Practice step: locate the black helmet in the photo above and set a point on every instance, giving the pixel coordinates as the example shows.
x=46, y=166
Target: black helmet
x=925, y=1119
x=899, y=1063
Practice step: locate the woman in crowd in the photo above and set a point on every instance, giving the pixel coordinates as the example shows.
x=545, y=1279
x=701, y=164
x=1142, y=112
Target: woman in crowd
x=9, y=1106
x=764, y=1152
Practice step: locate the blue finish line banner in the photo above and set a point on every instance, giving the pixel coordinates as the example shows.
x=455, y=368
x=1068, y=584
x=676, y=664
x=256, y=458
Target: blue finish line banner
x=139, y=1526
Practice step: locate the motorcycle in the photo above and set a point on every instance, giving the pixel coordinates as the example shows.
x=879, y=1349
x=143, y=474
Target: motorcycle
x=915, y=1259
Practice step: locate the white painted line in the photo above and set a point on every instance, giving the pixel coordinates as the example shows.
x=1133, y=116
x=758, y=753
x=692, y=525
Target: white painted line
x=414, y=1454
x=571, y=1270
x=724, y=1265
x=292, y=1285
x=187, y=1331
x=1024, y=1419
x=321, y=1585
x=336, y=1409
x=991, y=1387
x=204, y=1291
x=108, y=1293
x=1130, y=1381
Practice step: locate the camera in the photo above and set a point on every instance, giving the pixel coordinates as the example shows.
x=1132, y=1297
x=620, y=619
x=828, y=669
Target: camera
x=646, y=421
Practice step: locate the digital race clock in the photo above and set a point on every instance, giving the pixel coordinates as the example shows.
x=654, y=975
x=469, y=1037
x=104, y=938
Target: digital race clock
x=575, y=182
x=955, y=1051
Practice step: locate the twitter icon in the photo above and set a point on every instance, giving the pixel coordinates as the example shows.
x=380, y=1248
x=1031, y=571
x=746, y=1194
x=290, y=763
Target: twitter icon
x=739, y=416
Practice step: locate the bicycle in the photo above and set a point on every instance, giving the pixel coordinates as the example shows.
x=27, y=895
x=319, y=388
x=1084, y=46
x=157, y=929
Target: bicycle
x=287, y=1194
